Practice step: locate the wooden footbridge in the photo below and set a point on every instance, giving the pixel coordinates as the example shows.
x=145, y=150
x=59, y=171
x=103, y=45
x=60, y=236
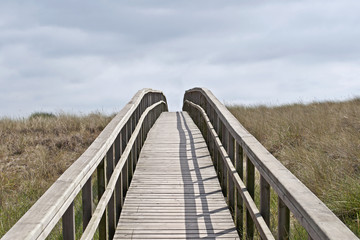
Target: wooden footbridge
x=152, y=174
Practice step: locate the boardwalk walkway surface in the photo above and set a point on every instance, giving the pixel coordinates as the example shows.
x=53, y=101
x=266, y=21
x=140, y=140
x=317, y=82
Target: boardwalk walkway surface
x=175, y=193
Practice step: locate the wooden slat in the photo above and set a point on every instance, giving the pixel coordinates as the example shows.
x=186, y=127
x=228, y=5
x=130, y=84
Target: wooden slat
x=174, y=192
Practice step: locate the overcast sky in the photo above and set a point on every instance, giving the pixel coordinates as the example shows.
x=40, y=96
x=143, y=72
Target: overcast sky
x=83, y=56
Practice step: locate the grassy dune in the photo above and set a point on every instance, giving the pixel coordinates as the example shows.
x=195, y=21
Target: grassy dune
x=320, y=144
x=34, y=152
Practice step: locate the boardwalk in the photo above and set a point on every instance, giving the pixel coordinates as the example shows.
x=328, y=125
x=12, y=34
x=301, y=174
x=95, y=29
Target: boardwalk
x=175, y=192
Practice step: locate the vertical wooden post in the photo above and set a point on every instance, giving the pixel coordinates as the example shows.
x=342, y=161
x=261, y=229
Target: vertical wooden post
x=250, y=185
x=224, y=141
x=111, y=213
x=231, y=194
x=215, y=157
x=118, y=198
x=265, y=200
x=124, y=180
x=68, y=222
x=87, y=202
x=101, y=189
x=239, y=201
x=139, y=145
x=220, y=160
x=220, y=170
x=118, y=152
x=283, y=220
x=135, y=154
x=133, y=122
x=124, y=170
x=130, y=166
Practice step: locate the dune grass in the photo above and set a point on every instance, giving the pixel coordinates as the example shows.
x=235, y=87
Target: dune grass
x=34, y=152
x=319, y=143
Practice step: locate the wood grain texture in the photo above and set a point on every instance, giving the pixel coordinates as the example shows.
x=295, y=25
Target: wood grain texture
x=174, y=192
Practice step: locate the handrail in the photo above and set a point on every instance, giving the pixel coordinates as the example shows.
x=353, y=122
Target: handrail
x=264, y=230
x=294, y=196
x=99, y=211
x=58, y=201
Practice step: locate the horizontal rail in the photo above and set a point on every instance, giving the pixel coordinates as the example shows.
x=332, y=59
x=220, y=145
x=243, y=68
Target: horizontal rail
x=57, y=201
x=294, y=196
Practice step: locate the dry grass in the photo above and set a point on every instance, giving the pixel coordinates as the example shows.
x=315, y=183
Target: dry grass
x=34, y=152
x=320, y=144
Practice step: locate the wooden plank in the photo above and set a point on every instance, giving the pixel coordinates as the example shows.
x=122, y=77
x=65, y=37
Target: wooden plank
x=175, y=192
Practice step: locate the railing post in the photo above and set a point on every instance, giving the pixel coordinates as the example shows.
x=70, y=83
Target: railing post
x=101, y=189
x=220, y=160
x=283, y=220
x=265, y=200
x=124, y=134
x=215, y=158
x=87, y=202
x=111, y=205
x=239, y=213
x=129, y=165
x=124, y=180
x=250, y=183
x=225, y=170
x=118, y=152
x=68, y=222
x=231, y=194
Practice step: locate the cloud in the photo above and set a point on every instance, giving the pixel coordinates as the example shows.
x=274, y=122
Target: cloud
x=84, y=56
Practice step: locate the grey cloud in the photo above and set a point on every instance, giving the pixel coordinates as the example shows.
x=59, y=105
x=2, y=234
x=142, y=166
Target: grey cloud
x=95, y=55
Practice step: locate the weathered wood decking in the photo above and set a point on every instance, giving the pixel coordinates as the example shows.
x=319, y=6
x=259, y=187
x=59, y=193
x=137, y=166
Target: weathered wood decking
x=175, y=192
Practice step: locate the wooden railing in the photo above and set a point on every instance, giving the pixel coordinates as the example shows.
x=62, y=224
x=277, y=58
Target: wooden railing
x=230, y=146
x=113, y=157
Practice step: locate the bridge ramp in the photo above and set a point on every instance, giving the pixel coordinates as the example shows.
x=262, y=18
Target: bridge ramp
x=175, y=193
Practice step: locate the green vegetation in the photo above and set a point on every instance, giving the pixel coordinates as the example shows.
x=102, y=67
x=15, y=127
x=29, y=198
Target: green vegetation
x=34, y=152
x=41, y=115
x=320, y=144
